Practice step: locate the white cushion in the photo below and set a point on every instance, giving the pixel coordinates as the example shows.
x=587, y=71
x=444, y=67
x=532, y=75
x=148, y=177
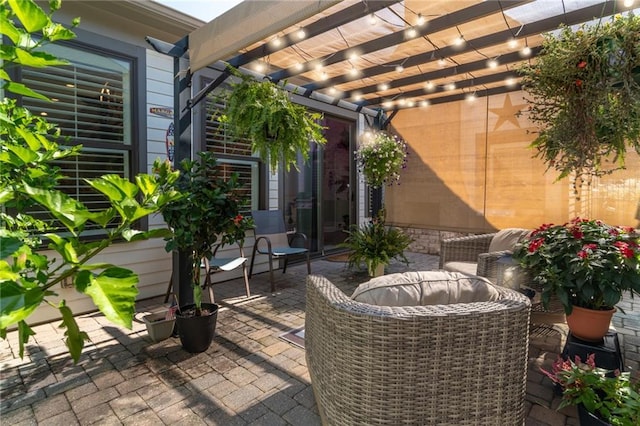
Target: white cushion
x=507, y=239
x=421, y=288
x=469, y=268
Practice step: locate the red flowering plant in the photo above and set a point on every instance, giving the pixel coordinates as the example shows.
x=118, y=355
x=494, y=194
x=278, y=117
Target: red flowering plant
x=585, y=263
x=237, y=228
x=609, y=395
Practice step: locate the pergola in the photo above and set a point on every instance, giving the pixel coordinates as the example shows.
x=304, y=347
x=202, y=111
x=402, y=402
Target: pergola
x=375, y=57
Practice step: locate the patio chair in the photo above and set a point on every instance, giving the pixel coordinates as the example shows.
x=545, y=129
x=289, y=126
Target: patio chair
x=479, y=254
x=215, y=265
x=273, y=240
x=411, y=362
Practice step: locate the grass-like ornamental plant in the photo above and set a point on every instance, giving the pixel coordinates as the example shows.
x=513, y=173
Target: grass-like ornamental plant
x=610, y=395
x=375, y=243
x=584, y=96
x=380, y=157
x=586, y=263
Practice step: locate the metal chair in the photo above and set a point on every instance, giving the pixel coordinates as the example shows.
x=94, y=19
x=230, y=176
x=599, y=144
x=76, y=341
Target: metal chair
x=213, y=266
x=273, y=240
x=224, y=264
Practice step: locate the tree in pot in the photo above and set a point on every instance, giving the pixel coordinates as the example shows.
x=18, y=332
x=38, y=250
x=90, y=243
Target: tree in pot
x=207, y=212
x=587, y=264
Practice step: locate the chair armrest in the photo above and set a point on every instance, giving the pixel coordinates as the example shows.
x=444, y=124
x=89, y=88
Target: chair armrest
x=488, y=264
x=296, y=235
x=465, y=249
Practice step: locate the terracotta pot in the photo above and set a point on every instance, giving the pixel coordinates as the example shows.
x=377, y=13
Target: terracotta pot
x=589, y=324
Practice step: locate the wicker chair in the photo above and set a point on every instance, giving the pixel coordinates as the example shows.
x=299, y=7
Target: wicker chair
x=479, y=254
x=451, y=364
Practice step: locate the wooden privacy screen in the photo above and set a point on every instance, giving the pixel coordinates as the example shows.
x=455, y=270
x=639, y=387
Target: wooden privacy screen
x=471, y=169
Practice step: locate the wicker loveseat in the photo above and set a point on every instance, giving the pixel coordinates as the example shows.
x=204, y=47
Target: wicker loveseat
x=444, y=364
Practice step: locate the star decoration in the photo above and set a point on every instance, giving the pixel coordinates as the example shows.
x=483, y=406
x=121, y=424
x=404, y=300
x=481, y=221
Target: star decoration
x=507, y=113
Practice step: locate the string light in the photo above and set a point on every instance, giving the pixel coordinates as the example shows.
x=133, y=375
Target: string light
x=260, y=68
x=450, y=86
x=526, y=51
x=383, y=86
x=387, y=104
x=353, y=71
x=424, y=103
x=470, y=97
x=513, y=43
x=357, y=97
x=373, y=19
x=492, y=63
x=299, y=66
x=459, y=41
x=510, y=82
x=442, y=62
x=628, y=3
x=301, y=34
x=324, y=76
x=411, y=33
x=399, y=68
x=420, y=21
x=276, y=42
x=354, y=56
x=410, y=103
x=429, y=86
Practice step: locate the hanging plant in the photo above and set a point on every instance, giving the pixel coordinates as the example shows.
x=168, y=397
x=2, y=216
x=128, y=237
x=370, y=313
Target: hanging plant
x=380, y=158
x=278, y=129
x=585, y=97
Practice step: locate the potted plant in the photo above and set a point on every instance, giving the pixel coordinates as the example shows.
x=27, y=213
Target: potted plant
x=380, y=157
x=205, y=214
x=603, y=397
x=160, y=324
x=29, y=273
x=263, y=112
x=375, y=244
x=587, y=264
x=584, y=92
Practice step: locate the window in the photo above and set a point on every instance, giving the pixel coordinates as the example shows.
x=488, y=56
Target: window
x=233, y=155
x=92, y=103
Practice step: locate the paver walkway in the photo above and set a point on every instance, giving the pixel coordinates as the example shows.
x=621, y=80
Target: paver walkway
x=248, y=376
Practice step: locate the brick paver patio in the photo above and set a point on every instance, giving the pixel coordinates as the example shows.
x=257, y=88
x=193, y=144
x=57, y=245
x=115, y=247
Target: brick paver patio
x=249, y=375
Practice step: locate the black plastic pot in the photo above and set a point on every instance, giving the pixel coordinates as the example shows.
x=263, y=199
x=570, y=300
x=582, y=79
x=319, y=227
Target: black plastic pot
x=196, y=332
x=588, y=419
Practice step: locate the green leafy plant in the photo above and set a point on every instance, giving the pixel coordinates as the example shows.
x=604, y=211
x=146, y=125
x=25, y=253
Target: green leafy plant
x=28, y=181
x=278, y=129
x=375, y=244
x=586, y=263
x=380, y=157
x=585, y=97
x=206, y=213
x=610, y=395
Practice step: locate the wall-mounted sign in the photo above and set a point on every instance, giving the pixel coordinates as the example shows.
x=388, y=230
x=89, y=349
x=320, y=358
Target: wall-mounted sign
x=169, y=142
x=161, y=111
